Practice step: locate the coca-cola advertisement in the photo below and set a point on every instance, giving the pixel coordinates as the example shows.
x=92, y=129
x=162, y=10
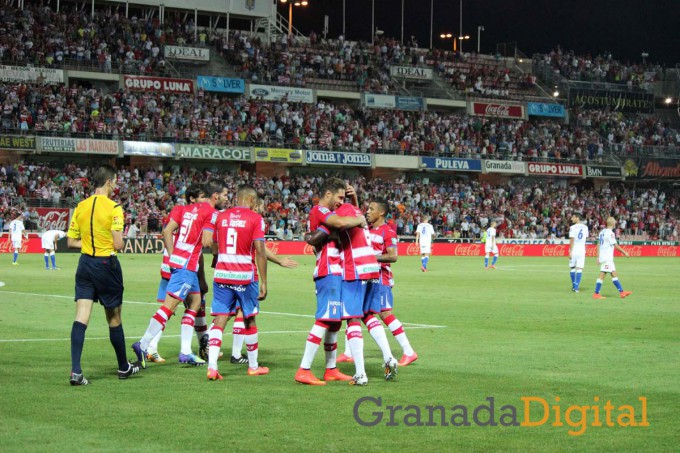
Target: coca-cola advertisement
x=31, y=245
x=53, y=219
x=498, y=110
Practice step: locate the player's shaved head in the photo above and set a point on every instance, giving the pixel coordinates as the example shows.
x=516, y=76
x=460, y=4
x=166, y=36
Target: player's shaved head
x=246, y=195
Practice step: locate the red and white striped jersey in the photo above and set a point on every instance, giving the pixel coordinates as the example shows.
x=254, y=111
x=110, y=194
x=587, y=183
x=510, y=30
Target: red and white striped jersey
x=196, y=218
x=176, y=215
x=236, y=231
x=383, y=238
x=328, y=260
x=358, y=258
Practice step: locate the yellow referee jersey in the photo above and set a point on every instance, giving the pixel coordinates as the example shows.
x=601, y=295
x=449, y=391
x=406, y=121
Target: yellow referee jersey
x=92, y=223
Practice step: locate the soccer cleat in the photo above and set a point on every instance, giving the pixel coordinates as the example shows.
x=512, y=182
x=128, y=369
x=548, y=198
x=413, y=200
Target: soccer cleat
x=239, y=360
x=15, y=264
x=486, y=268
x=598, y=296
x=333, y=374
x=191, y=359
x=422, y=268
x=576, y=290
x=154, y=357
x=56, y=268
x=213, y=375
x=140, y=353
x=344, y=358
x=78, y=379
x=408, y=359
x=625, y=294
x=259, y=371
x=492, y=266
x=307, y=377
x=359, y=379
x=391, y=369
x=133, y=368
x=47, y=268
x=203, y=347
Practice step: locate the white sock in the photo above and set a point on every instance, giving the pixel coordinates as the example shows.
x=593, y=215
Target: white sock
x=156, y=324
x=356, y=345
x=375, y=328
x=330, y=345
x=312, y=345
x=238, y=332
x=252, y=346
x=215, y=344
x=187, y=331
x=153, y=344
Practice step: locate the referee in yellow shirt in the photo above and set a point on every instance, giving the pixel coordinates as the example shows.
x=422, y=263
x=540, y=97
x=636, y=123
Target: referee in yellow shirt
x=97, y=230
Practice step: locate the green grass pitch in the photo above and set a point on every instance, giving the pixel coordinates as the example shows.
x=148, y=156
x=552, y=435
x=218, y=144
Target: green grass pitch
x=515, y=332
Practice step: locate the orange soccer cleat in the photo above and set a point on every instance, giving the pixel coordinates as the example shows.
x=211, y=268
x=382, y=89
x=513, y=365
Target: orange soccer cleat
x=307, y=377
x=259, y=371
x=598, y=296
x=624, y=294
x=407, y=359
x=344, y=358
x=493, y=266
x=333, y=374
x=213, y=375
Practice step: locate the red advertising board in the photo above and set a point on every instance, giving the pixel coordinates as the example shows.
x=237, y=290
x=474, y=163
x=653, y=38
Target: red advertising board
x=498, y=110
x=547, y=168
x=53, y=218
x=159, y=84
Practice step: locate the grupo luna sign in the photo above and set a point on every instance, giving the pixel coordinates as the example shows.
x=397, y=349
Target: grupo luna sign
x=336, y=158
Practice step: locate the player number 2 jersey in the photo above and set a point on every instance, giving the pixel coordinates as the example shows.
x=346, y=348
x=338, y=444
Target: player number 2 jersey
x=383, y=238
x=236, y=231
x=196, y=218
x=358, y=258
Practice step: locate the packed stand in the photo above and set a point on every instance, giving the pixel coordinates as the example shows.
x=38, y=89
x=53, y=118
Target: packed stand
x=459, y=208
x=602, y=68
x=40, y=36
x=213, y=118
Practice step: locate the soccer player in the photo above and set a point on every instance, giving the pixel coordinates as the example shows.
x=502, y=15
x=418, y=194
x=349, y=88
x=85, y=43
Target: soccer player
x=384, y=241
x=238, y=232
x=607, y=245
x=578, y=233
x=424, y=235
x=194, y=194
x=17, y=232
x=49, y=244
x=490, y=246
x=97, y=230
x=195, y=232
x=238, y=329
x=328, y=282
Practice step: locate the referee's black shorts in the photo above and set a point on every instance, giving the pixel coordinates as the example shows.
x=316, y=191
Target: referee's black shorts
x=100, y=278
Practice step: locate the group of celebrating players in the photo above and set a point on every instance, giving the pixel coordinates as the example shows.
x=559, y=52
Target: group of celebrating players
x=352, y=276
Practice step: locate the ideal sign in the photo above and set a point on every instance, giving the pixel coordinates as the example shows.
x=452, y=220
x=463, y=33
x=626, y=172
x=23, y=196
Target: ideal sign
x=411, y=73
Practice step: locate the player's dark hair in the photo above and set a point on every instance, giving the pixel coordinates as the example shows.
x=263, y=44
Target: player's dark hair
x=213, y=186
x=103, y=174
x=382, y=203
x=577, y=214
x=332, y=185
x=193, y=191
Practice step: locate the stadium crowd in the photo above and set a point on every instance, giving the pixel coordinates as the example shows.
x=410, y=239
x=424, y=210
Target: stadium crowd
x=458, y=208
x=210, y=118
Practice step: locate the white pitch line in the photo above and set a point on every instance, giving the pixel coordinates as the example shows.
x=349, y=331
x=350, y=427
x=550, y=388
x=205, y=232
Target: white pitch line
x=297, y=315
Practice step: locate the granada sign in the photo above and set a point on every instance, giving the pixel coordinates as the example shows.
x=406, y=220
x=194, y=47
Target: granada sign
x=213, y=152
x=411, y=73
x=504, y=166
x=445, y=163
x=555, y=169
x=158, y=84
x=335, y=158
x=595, y=171
x=187, y=53
x=498, y=110
x=53, y=218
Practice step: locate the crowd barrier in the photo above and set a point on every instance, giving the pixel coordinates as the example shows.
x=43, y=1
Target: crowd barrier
x=154, y=245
